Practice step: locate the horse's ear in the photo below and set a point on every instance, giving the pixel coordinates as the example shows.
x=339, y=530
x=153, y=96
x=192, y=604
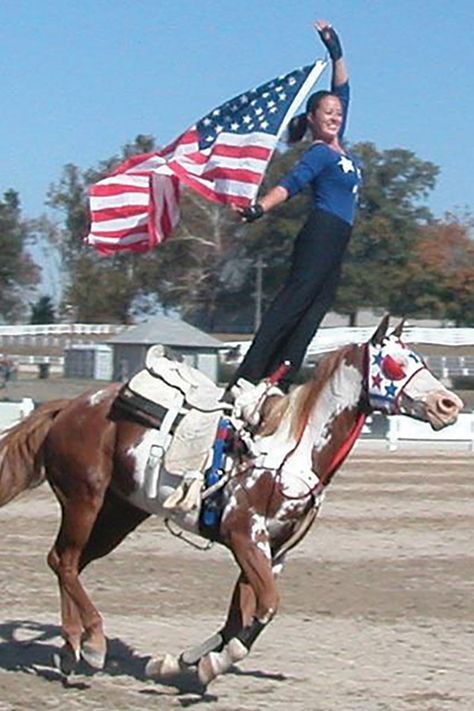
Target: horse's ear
x=379, y=334
x=398, y=330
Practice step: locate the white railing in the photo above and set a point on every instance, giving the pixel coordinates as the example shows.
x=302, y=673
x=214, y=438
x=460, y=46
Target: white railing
x=62, y=329
x=404, y=429
x=328, y=339
x=13, y=412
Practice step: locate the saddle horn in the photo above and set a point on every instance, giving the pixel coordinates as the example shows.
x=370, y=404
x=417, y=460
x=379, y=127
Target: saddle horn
x=381, y=331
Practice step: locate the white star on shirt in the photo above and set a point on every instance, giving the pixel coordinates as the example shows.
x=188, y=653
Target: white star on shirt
x=346, y=164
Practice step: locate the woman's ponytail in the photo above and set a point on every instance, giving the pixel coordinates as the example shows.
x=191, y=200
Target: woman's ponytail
x=297, y=128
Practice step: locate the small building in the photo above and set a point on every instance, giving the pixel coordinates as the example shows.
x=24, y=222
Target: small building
x=88, y=360
x=197, y=348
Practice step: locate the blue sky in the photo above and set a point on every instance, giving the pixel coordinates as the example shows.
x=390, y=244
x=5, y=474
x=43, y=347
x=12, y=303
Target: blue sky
x=79, y=78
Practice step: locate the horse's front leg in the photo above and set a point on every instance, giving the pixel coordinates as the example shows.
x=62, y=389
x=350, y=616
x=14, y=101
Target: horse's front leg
x=254, y=604
x=240, y=614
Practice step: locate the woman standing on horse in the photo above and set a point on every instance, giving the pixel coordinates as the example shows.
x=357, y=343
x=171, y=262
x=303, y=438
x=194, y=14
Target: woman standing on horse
x=334, y=177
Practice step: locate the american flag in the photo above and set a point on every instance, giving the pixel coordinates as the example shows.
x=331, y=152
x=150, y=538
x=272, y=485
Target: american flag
x=223, y=157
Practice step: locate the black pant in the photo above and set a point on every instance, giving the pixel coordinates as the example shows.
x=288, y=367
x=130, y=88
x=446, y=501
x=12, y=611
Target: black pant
x=296, y=312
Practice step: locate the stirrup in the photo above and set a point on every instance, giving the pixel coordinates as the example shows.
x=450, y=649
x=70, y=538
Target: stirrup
x=186, y=496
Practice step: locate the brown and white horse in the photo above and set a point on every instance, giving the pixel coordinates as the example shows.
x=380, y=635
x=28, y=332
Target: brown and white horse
x=99, y=466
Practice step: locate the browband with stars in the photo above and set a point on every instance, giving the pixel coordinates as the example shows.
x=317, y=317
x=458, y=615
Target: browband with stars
x=386, y=376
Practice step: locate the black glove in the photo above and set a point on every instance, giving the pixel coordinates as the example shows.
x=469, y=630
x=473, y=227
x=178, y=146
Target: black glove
x=252, y=213
x=331, y=42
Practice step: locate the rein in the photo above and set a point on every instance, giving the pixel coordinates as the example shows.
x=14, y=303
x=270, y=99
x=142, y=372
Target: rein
x=370, y=400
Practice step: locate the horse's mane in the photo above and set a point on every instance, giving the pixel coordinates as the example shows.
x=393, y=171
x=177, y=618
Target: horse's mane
x=304, y=397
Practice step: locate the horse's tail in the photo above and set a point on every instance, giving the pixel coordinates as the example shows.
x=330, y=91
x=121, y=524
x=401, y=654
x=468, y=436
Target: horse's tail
x=21, y=461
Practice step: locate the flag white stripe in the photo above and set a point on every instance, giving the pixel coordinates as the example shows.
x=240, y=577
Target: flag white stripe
x=150, y=187
x=197, y=169
x=224, y=186
x=135, y=238
x=103, y=202
x=257, y=139
x=127, y=179
x=121, y=223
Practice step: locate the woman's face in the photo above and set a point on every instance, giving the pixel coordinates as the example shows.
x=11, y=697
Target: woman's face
x=326, y=120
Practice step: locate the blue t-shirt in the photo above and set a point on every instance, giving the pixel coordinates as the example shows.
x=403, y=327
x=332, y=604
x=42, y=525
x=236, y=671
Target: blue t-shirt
x=334, y=177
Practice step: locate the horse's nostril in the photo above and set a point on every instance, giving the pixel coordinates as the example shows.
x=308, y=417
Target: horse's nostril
x=447, y=404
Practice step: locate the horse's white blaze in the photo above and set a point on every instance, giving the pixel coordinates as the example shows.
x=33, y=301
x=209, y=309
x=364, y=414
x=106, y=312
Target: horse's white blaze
x=424, y=384
x=96, y=398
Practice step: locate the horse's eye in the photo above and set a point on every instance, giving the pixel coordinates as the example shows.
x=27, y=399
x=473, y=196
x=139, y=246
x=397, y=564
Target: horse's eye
x=392, y=369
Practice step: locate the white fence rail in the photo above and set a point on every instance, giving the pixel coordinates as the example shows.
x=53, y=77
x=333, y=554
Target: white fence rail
x=13, y=412
x=403, y=429
x=62, y=329
x=330, y=338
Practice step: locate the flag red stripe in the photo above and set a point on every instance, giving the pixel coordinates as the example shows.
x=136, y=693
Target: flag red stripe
x=130, y=163
x=210, y=193
x=244, y=176
x=258, y=152
x=99, y=190
x=223, y=158
x=117, y=213
x=190, y=136
x=109, y=250
x=227, y=151
x=115, y=234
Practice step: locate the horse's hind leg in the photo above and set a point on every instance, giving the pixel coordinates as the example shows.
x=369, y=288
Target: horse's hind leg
x=71, y=624
x=116, y=519
x=81, y=621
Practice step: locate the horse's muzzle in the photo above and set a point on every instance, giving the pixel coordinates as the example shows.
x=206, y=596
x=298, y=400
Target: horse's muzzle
x=443, y=408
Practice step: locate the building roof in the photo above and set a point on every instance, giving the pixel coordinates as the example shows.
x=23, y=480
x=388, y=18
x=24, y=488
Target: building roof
x=168, y=332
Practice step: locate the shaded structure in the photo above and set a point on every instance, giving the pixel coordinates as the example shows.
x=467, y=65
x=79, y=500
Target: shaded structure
x=197, y=348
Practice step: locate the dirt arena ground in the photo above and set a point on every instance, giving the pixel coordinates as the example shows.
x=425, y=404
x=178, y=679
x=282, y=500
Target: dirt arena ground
x=376, y=614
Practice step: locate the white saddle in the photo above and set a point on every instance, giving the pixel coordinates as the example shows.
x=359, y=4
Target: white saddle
x=186, y=395
x=199, y=391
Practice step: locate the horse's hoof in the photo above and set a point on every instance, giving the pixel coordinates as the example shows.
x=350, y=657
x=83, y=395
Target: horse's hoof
x=167, y=666
x=94, y=657
x=65, y=660
x=208, y=668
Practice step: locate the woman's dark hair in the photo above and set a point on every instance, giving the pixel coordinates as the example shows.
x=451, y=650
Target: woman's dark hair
x=299, y=124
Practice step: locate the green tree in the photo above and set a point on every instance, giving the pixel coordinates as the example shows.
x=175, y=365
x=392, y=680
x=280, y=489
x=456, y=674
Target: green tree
x=98, y=289
x=17, y=268
x=200, y=271
x=390, y=214
x=207, y=271
x=439, y=282
x=42, y=311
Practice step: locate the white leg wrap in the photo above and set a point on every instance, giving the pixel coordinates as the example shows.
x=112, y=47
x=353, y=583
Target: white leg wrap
x=168, y=666
x=216, y=663
x=237, y=651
